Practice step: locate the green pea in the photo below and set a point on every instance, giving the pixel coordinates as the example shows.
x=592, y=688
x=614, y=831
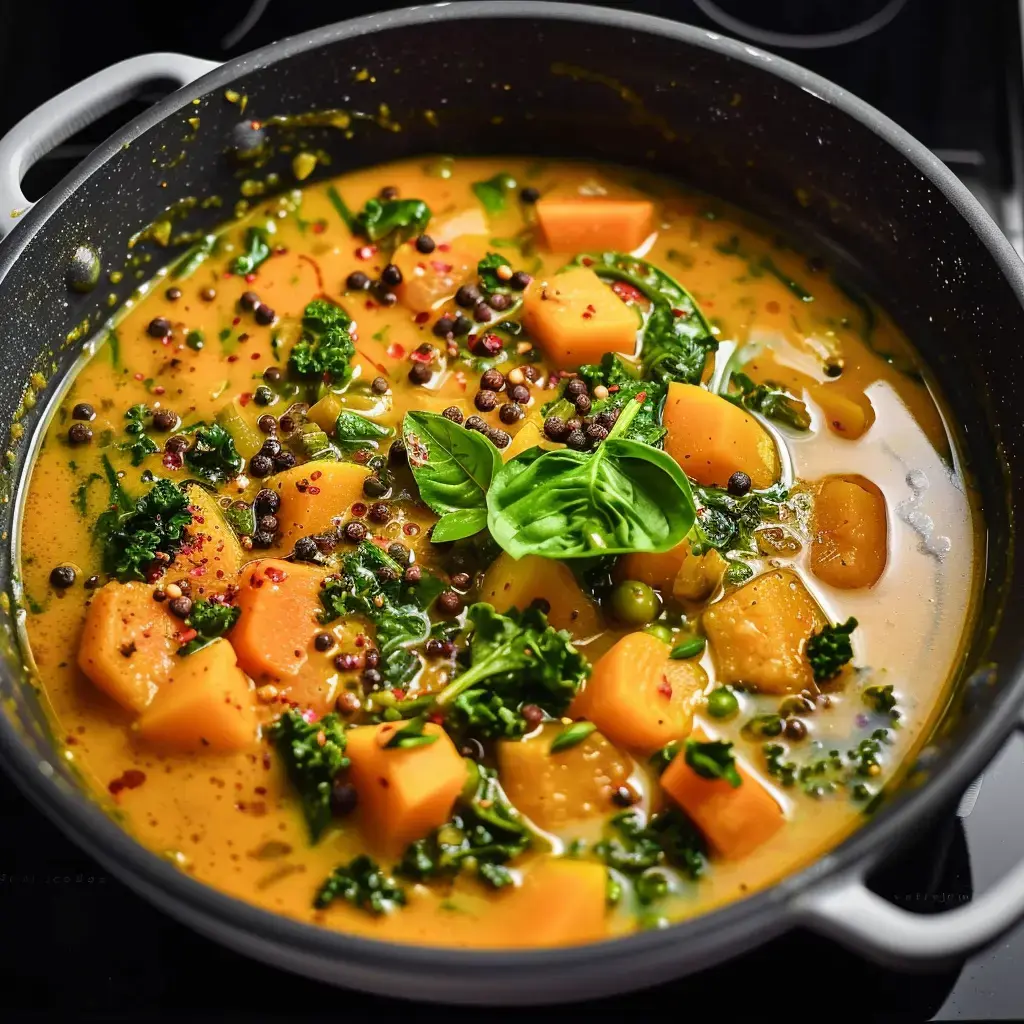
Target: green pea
x=689, y=648
x=659, y=630
x=633, y=603
x=722, y=703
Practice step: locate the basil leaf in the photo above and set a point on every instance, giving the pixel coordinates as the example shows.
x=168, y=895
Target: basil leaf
x=453, y=468
x=257, y=250
x=493, y=193
x=354, y=432
x=400, y=217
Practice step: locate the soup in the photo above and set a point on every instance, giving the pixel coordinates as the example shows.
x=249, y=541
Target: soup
x=491, y=553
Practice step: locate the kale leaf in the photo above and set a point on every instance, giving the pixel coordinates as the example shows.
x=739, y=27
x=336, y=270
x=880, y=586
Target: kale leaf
x=257, y=250
x=325, y=346
x=141, y=444
x=401, y=218
x=133, y=537
x=668, y=839
x=363, y=884
x=830, y=649
x=313, y=754
x=213, y=455
x=713, y=759
x=493, y=193
x=767, y=399
x=210, y=619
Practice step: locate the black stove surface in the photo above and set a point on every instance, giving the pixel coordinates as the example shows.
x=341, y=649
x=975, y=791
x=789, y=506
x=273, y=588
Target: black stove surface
x=74, y=942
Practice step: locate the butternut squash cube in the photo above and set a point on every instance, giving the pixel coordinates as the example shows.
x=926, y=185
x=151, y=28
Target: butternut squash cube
x=404, y=793
x=556, y=789
x=850, y=544
x=516, y=584
x=656, y=569
x=561, y=902
x=205, y=704
x=734, y=821
x=576, y=318
x=593, y=223
x=758, y=633
x=213, y=549
x=128, y=643
x=845, y=415
x=429, y=281
x=639, y=697
x=316, y=497
x=699, y=576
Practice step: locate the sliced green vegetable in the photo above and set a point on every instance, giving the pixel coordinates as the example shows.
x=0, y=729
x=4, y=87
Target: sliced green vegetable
x=689, y=648
x=572, y=736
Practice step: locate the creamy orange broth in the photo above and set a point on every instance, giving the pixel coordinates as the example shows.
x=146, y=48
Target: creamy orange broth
x=214, y=815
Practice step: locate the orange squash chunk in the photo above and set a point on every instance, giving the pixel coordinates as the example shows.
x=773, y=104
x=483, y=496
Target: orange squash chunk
x=594, y=224
x=430, y=280
x=845, y=416
x=555, y=789
x=516, y=584
x=734, y=821
x=850, y=544
x=758, y=633
x=656, y=569
x=212, y=547
x=404, y=793
x=205, y=704
x=711, y=438
x=315, y=497
x=576, y=318
x=639, y=697
x=560, y=902
x=128, y=643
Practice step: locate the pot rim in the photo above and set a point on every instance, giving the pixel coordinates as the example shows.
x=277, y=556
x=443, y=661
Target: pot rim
x=764, y=912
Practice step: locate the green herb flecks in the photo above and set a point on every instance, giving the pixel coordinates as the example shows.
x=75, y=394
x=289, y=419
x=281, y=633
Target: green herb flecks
x=325, y=347
x=362, y=883
x=757, y=266
x=770, y=401
x=257, y=250
x=411, y=735
x=213, y=455
x=830, y=649
x=713, y=759
x=572, y=736
x=211, y=620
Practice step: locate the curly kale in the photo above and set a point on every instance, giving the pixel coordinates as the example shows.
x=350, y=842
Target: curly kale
x=313, y=754
x=713, y=759
x=668, y=839
x=134, y=537
x=830, y=649
x=210, y=619
x=213, y=455
x=140, y=445
x=363, y=884
x=325, y=348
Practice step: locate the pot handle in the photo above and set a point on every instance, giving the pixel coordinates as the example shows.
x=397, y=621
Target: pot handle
x=68, y=112
x=847, y=911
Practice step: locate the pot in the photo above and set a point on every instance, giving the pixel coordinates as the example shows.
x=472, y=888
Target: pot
x=563, y=80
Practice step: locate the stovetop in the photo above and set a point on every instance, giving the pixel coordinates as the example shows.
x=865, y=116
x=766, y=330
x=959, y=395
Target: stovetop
x=75, y=941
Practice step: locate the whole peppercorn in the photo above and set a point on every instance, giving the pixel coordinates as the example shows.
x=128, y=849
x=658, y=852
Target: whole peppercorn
x=574, y=424
x=739, y=484
x=372, y=658
x=354, y=532
x=379, y=512
x=467, y=296
x=794, y=729
x=344, y=796
x=92, y=583
x=492, y=380
x=347, y=703
x=577, y=441
x=531, y=373
x=83, y=411
x=555, y=428
x=264, y=315
x=475, y=423
x=520, y=393
x=283, y=461
x=606, y=418
x=420, y=373
x=532, y=714
x=159, y=327
x=266, y=502
x=323, y=642
x=624, y=796
x=413, y=574
x=180, y=607
x=387, y=298
x=473, y=749
x=510, y=413
x=485, y=401
x=249, y=301
x=482, y=313
x=260, y=466
x=374, y=487
x=271, y=447
x=176, y=445
x=272, y=374
x=208, y=294
x=79, y=433
x=519, y=280
x=529, y=195
x=267, y=423
x=453, y=413
x=433, y=648
x=357, y=281
x=371, y=679
x=380, y=386
x=263, y=395
x=463, y=325
x=398, y=454
x=575, y=388
x=386, y=574
x=449, y=602
x=326, y=542
x=268, y=523
x=62, y=577
x=389, y=192
x=262, y=539
x=498, y=437
x=286, y=424
x=461, y=581
x=595, y=432
x=173, y=294
x=391, y=276
x=583, y=404
x=444, y=326
x=425, y=244
x=400, y=553
x=499, y=302
x=164, y=420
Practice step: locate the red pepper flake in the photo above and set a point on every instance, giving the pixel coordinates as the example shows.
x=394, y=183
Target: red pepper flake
x=309, y=716
x=275, y=574
x=366, y=252
x=627, y=292
x=245, y=398
x=255, y=125
x=491, y=344
x=612, y=388
x=237, y=320
x=360, y=640
x=441, y=268
x=249, y=278
x=316, y=270
x=398, y=693
x=370, y=304
x=140, y=376
x=421, y=357
x=319, y=227
x=130, y=779
x=436, y=717
x=159, y=389
x=588, y=313
x=679, y=312
x=665, y=687
x=359, y=510
x=587, y=261
x=422, y=318
x=186, y=635
x=255, y=355
x=395, y=351
x=172, y=460
x=772, y=306
x=362, y=456
x=197, y=571
x=444, y=247
x=281, y=250
x=312, y=489
x=232, y=359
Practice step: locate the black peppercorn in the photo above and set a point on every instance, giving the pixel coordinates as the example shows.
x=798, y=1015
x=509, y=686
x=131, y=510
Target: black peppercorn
x=607, y=418
x=272, y=374
x=461, y=580
x=176, y=445
x=595, y=432
x=79, y=433
x=83, y=411
x=510, y=413
x=444, y=326
x=467, y=296
x=262, y=539
x=380, y=386
x=387, y=298
x=180, y=607
x=575, y=388
x=574, y=424
x=391, y=276
x=386, y=574
x=555, y=428
x=389, y=192
x=485, y=401
x=159, y=327
x=520, y=393
x=266, y=502
x=164, y=420
x=62, y=577
x=374, y=487
x=519, y=280
x=529, y=195
x=173, y=294
x=323, y=641
x=583, y=404
x=531, y=373
x=263, y=395
x=379, y=512
x=268, y=523
x=283, y=461
x=499, y=302
x=739, y=484
x=532, y=714
x=249, y=301
x=475, y=423
x=344, y=797
x=92, y=583
x=267, y=423
x=420, y=373
x=449, y=602
x=371, y=679
x=260, y=466
x=208, y=294
x=433, y=648
x=453, y=413
x=425, y=244
x=463, y=325
x=286, y=424
x=498, y=437
x=357, y=281
x=264, y=315
x=355, y=532
x=577, y=440
x=400, y=553
x=271, y=447
x=794, y=729
x=482, y=313
x=398, y=454
x=492, y=380
x=624, y=796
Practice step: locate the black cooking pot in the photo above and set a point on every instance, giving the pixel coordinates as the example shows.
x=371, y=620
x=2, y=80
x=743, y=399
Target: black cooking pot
x=548, y=79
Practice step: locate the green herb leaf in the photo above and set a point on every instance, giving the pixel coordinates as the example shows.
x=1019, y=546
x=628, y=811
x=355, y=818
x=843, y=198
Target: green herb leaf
x=689, y=648
x=211, y=620
x=830, y=649
x=257, y=250
x=770, y=401
x=713, y=759
x=310, y=763
x=353, y=433
x=572, y=736
x=881, y=699
x=453, y=468
x=401, y=218
x=493, y=193
x=213, y=455
x=362, y=883
x=412, y=735
x=667, y=839
x=325, y=346
x=727, y=523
